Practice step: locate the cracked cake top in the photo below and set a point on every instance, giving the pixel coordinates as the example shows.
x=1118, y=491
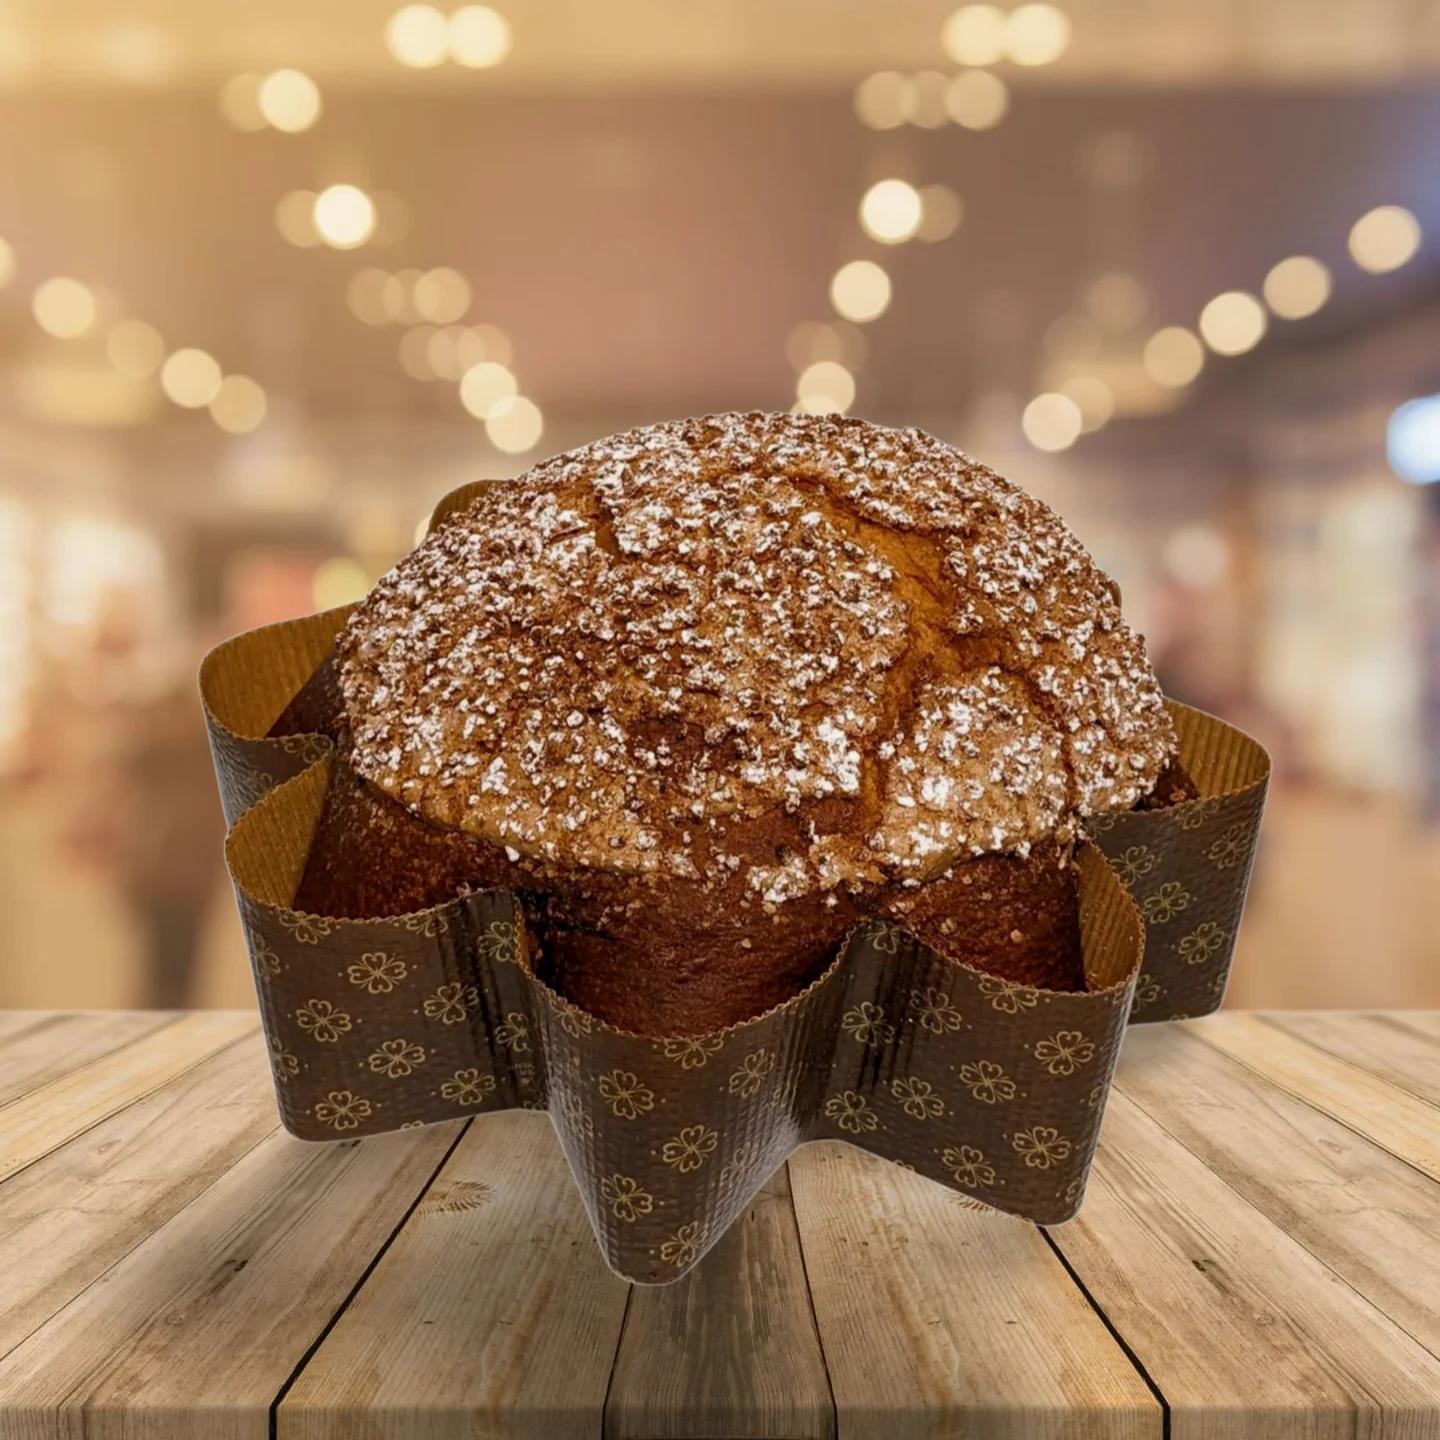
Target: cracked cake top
x=802, y=651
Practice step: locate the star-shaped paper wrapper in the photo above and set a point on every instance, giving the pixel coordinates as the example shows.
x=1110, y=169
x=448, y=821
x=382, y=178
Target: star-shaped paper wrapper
x=991, y=1088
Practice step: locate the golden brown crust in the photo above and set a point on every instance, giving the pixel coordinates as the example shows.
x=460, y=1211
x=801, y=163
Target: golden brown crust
x=810, y=655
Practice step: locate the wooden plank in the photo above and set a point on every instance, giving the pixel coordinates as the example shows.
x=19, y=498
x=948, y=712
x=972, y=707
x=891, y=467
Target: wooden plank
x=1246, y=1334
x=1401, y=1046
x=55, y=1042
x=198, y=1328
x=492, y=1314
x=938, y=1320
x=1392, y=1117
x=45, y=1118
x=1373, y=1219
x=65, y=1220
x=731, y=1349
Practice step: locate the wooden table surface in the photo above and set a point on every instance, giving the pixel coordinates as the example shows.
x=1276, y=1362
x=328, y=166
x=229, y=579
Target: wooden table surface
x=1258, y=1256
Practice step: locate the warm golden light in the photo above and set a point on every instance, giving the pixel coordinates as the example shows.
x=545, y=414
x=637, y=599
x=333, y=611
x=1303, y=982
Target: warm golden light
x=941, y=212
x=7, y=263
x=414, y=352
x=1073, y=337
x=441, y=295
x=344, y=215
x=1094, y=399
x=135, y=348
x=885, y=100
x=1297, y=287
x=977, y=99
x=191, y=378
x=1036, y=34
x=238, y=406
x=337, y=582
x=483, y=342
x=64, y=307
x=1173, y=356
x=479, y=36
x=289, y=100
x=442, y=353
x=418, y=36
x=240, y=102
x=1233, y=323
x=1052, y=422
x=928, y=109
x=825, y=388
x=860, y=291
x=975, y=35
x=1385, y=239
x=366, y=296
x=398, y=290
x=890, y=211
x=1116, y=300
x=484, y=386
x=295, y=218
x=514, y=424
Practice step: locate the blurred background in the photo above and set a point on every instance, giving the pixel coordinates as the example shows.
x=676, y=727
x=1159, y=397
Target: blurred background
x=276, y=274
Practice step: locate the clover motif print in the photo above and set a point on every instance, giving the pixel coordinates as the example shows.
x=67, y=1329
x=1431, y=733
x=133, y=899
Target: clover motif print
x=1229, y=849
x=574, y=1022
x=266, y=961
x=450, y=1004
x=867, y=1024
x=397, y=1058
x=934, y=1011
x=852, y=1112
x=1202, y=944
x=1147, y=990
x=377, y=973
x=885, y=938
x=969, y=1166
x=687, y=1151
x=627, y=1095
x=1064, y=1052
x=499, y=943
x=987, y=1081
x=322, y=1021
x=468, y=1087
x=1008, y=996
x=342, y=1110
x=285, y=1065
x=1042, y=1146
x=514, y=1033
x=1166, y=903
x=307, y=929
x=692, y=1052
x=429, y=924
x=627, y=1199
x=683, y=1247
x=1137, y=862
x=917, y=1098
x=747, y=1080
x=572, y=1108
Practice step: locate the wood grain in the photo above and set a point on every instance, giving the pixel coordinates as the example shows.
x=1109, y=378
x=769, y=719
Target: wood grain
x=731, y=1349
x=939, y=1320
x=1391, y=1116
x=197, y=1329
x=43, y=1119
x=491, y=1314
x=1401, y=1046
x=1245, y=1332
x=65, y=1220
x=53, y=1042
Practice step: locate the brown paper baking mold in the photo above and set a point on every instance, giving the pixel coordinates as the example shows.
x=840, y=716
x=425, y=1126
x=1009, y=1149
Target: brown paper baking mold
x=992, y=1088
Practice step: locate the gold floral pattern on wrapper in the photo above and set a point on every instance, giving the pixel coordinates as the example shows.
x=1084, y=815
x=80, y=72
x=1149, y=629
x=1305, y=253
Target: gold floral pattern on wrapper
x=978, y=1083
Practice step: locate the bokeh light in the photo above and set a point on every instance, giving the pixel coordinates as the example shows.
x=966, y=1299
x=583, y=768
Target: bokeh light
x=928, y=108
x=1197, y=555
x=977, y=99
x=484, y=386
x=418, y=36
x=191, y=378
x=366, y=296
x=1233, y=323
x=479, y=36
x=295, y=218
x=7, y=263
x=441, y=295
x=414, y=352
x=941, y=211
x=1116, y=300
x=860, y=291
x=1093, y=397
x=975, y=35
x=514, y=424
x=1036, y=34
x=238, y=406
x=885, y=100
x=825, y=388
x=240, y=102
x=289, y=100
x=1384, y=239
x=344, y=216
x=1173, y=356
x=135, y=348
x=1052, y=421
x=1297, y=287
x=64, y=307
x=1412, y=440
x=890, y=211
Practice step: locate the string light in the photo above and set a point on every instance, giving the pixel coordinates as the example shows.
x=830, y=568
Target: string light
x=289, y=100
x=1116, y=300
x=7, y=263
x=414, y=353
x=941, y=213
x=441, y=295
x=825, y=388
x=1384, y=239
x=1297, y=287
x=1094, y=399
x=891, y=211
x=479, y=36
x=1036, y=34
x=344, y=216
x=191, y=378
x=975, y=35
x=239, y=405
x=484, y=386
x=63, y=307
x=860, y=291
x=418, y=36
x=977, y=99
x=1233, y=323
x=1052, y=421
x=928, y=106
x=885, y=100
x=514, y=424
x=135, y=348
x=366, y=297
x=1173, y=356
